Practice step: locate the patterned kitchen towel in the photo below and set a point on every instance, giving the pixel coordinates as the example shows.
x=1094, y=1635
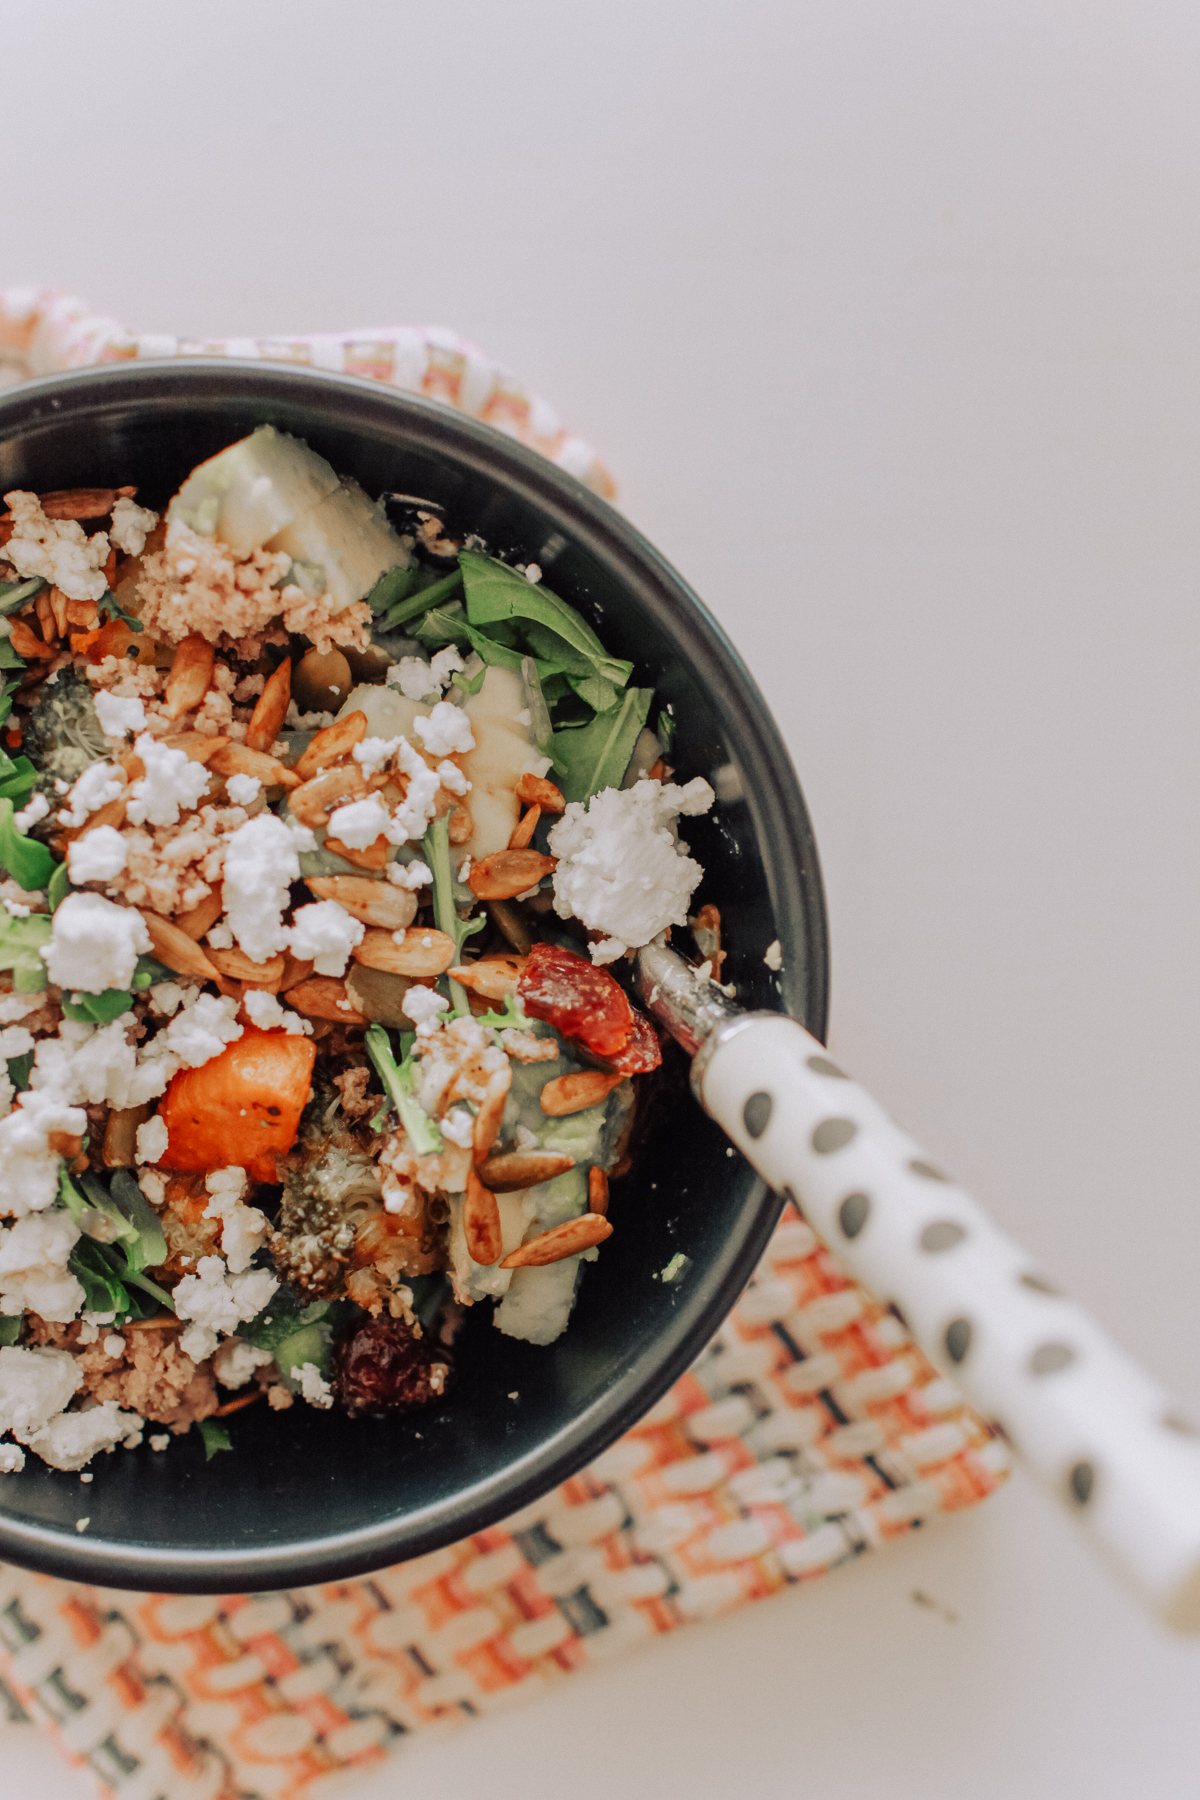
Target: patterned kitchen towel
x=811, y=1430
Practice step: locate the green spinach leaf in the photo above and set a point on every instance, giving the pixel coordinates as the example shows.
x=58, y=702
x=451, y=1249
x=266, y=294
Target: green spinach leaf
x=595, y=756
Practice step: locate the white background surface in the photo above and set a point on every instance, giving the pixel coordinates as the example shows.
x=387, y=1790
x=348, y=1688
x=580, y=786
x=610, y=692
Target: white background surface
x=887, y=317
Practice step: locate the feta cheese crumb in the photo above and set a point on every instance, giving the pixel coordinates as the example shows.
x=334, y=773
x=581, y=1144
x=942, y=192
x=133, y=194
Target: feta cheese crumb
x=261, y=862
x=325, y=934
x=447, y=730
x=71, y=1439
x=200, y=1031
x=34, y=1385
x=114, y=1345
x=422, y=1005
x=82, y=1524
x=243, y=790
x=414, y=677
x=12, y=1459
x=774, y=955
x=220, y=937
x=242, y=1227
x=99, y=855
x=313, y=1386
x=131, y=525
x=264, y=1011
x=621, y=870
x=361, y=823
x=457, y=1127
x=166, y=997
x=30, y=1165
x=34, y=1276
x=116, y=716
x=373, y=753
x=409, y=875
x=95, y=788
x=411, y=817
x=173, y=783
x=94, y=944
x=218, y=1301
x=152, y=1138
x=160, y=1440
x=236, y=1361
x=29, y=815
x=55, y=549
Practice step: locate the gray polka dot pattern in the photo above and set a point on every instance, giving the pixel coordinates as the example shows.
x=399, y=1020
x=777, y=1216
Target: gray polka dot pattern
x=821, y=1065
x=853, y=1214
x=943, y=1234
x=756, y=1113
x=958, y=1339
x=1080, y=1482
x=833, y=1134
x=929, y=1170
x=1048, y=1359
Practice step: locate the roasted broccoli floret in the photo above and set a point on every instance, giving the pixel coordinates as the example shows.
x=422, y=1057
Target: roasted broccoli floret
x=62, y=738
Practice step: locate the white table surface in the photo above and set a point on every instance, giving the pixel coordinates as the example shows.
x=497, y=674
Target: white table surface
x=888, y=318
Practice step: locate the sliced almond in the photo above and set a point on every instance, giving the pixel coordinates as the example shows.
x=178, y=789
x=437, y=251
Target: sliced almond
x=82, y=615
x=597, y=1191
x=200, y=920
x=514, y=1169
x=313, y=801
x=79, y=503
x=534, y=790
x=493, y=977
x=239, y=967
x=576, y=1092
x=46, y=619
x=507, y=873
x=177, y=950
x=111, y=813
x=235, y=759
x=195, y=745
x=490, y=1114
x=117, y=639
x=270, y=709
x=324, y=997
x=481, y=1222
x=120, y=1136
x=560, y=1242
x=331, y=744
x=421, y=952
x=26, y=642
x=59, y=605
x=294, y=972
x=523, y=832
x=373, y=857
x=374, y=902
x=190, y=675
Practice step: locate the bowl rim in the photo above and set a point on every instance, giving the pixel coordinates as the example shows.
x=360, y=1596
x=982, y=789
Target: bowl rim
x=782, y=827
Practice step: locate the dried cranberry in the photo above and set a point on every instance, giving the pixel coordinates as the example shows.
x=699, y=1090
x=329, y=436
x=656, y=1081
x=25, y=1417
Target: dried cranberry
x=577, y=998
x=379, y=1366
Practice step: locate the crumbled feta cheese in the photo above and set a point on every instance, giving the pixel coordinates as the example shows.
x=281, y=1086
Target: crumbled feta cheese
x=154, y=1186
x=621, y=870
x=313, y=1385
x=444, y=664
x=15, y=1041
x=325, y=934
x=236, y=1361
x=152, y=1139
x=361, y=823
x=172, y=783
x=264, y=1010
x=774, y=955
x=117, y=717
x=199, y=1032
x=71, y=1439
x=243, y=790
x=414, y=677
x=218, y=1302
x=220, y=937
x=242, y=1227
x=160, y=1440
x=7, y=1094
x=166, y=997
x=374, y=752
x=88, y=1065
x=131, y=524
x=94, y=944
x=457, y=1127
x=99, y=855
x=452, y=778
x=95, y=788
x=55, y=549
x=409, y=875
x=29, y=815
x=261, y=862
x=34, y=1276
x=423, y=1005
x=34, y=1385
x=19, y=1006
x=114, y=1345
x=12, y=1459
x=411, y=818
x=295, y=720
x=447, y=730
x=30, y=1165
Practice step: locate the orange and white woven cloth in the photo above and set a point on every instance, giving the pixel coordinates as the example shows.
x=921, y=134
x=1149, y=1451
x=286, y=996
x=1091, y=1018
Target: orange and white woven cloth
x=811, y=1431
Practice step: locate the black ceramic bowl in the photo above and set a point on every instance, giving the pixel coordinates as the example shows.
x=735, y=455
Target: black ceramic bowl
x=308, y=1496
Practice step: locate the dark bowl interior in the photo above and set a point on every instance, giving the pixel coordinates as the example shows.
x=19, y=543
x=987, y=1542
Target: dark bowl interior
x=308, y=1496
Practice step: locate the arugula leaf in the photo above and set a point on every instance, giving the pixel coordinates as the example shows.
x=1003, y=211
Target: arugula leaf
x=58, y=887
x=595, y=756
x=20, y=941
x=511, y=1017
x=27, y=861
x=436, y=845
x=444, y=625
x=215, y=1436
x=18, y=779
x=495, y=592
x=397, y=1079
x=103, y=1289
x=393, y=585
x=10, y=1327
x=7, y=697
x=420, y=602
x=136, y=1242
x=19, y=1068
x=16, y=593
x=150, y=1250
x=98, y=1009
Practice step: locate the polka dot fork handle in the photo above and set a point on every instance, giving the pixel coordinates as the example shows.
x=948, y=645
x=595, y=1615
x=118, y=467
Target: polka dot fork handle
x=1097, y=1431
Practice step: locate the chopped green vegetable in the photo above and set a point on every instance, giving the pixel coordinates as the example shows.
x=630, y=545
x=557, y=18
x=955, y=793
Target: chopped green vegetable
x=16, y=593
x=108, y=604
x=10, y=1327
x=444, y=625
x=7, y=696
x=18, y=777
x=397, y=1078
x=391, y=588
x=553, y=629
x=436, y=845
x=511, y=1017
x=595, y=756
x=134, y=1236
x=8, y=656
x=19, y=1070
x=58, y=887
x=151, y=1247
x=422, y=601
x=20, y=942
x=28, y=862
x=215, y=1436
x=472, y=685
x=98, y=1009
